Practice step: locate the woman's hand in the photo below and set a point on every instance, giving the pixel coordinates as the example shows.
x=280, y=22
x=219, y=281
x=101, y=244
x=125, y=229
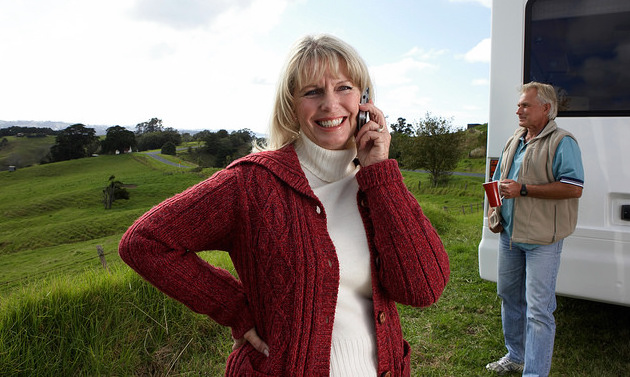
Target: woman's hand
x=252, y=337
x=373, y=138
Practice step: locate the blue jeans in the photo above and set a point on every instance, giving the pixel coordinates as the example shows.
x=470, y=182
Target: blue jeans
x=527, y=285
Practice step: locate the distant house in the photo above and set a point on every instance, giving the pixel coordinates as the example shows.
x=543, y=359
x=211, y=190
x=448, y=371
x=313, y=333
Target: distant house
x=12, y=168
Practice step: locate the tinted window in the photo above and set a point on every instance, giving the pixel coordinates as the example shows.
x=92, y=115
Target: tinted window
x=582, y=48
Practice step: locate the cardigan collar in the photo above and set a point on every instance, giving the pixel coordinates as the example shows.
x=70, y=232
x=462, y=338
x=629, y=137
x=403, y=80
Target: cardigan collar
x=283, y=163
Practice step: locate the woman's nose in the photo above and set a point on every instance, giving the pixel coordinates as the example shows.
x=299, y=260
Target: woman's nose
x=329, y=101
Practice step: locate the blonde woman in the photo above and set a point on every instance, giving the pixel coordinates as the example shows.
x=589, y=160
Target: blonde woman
x=322, y=232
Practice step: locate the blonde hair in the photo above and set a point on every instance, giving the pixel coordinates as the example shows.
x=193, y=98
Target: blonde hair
x=308, y=61
x=545, y=93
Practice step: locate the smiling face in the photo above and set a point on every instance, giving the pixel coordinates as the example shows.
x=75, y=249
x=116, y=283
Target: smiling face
x=327, y=109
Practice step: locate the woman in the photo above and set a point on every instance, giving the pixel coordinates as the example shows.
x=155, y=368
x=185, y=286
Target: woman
x=322, y=232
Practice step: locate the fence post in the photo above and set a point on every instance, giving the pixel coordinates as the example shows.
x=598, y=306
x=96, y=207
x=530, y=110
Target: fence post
x=101, y=255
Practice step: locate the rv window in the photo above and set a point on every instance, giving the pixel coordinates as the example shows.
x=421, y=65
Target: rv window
x=582, y=48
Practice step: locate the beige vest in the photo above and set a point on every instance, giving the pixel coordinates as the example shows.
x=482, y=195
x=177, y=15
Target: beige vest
x=539, y=221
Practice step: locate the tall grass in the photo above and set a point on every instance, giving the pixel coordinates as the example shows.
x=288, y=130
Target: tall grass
x=97, y=324
x=63, y=314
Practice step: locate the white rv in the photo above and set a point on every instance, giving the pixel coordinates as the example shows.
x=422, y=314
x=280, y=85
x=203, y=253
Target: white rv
x=582, y=48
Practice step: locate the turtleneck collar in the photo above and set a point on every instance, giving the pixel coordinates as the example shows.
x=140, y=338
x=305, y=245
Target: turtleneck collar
x=327, y=165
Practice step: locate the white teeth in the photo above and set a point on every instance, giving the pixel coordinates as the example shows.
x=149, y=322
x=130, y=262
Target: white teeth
x=330, y=123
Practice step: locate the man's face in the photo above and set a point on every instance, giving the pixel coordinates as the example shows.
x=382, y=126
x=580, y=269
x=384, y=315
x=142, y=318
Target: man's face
x=531, y=113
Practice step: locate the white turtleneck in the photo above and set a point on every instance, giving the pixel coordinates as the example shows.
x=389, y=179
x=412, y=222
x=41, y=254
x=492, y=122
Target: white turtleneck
x=331, y=174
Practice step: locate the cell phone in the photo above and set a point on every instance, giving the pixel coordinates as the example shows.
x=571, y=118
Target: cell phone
x=362, y=118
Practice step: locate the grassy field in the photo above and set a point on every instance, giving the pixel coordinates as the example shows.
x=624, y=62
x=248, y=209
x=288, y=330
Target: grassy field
x=23, y=151
x=63, y=314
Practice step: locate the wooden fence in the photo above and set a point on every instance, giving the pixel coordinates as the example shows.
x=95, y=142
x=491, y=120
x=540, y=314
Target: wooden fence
x=465, y=209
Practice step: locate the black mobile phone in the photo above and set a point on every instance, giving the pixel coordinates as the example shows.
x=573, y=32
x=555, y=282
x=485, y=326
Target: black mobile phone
x=362, y=118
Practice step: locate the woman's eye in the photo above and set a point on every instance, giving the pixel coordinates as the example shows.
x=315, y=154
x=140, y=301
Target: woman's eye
x=345, y=87
x=311, y=92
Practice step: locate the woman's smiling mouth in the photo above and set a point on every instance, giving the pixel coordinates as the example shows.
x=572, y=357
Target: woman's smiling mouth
x=331, y=123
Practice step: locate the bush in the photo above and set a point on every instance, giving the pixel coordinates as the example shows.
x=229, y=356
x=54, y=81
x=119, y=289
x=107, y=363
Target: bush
x=169, y=148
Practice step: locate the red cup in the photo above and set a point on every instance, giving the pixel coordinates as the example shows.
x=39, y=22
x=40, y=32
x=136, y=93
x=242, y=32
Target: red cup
x=492, y=192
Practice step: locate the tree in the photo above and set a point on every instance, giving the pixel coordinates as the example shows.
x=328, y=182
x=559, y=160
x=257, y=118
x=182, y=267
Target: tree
x=118, y=139
x=76, y=141
x=221, y=147
x=169, y=148
x=155, y=140
x=436, y=148
x=403, y=127
x=114, y=190
x=401, y=132
x=153, y=125
x=187, y=137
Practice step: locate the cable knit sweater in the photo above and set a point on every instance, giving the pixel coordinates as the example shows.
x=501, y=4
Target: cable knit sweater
x=262, y=211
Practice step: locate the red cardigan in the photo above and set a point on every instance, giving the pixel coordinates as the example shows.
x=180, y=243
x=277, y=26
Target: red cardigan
x=262, y=211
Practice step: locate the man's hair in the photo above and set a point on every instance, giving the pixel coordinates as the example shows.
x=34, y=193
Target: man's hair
x=545, y=94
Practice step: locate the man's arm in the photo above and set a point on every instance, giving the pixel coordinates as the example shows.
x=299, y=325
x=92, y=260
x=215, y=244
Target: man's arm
x=555, y=190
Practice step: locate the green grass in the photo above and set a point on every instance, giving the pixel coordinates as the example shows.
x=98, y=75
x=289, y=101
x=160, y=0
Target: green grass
x=53, y=216
x=23, y=151
x=472, y=165
x=62, y=313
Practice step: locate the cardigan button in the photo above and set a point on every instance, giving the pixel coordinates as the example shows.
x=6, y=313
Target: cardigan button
x=364, y=203
x=318, y=210
x=387, y=374
x=382, y=317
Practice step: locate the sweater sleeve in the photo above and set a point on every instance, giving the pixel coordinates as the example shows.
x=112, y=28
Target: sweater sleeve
x=161, y=246
x=412, y=265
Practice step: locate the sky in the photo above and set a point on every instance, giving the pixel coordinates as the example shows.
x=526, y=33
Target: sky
x=214, y=64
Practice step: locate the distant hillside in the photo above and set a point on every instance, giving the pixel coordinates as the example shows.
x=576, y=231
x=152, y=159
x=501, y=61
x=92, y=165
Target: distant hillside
x=32, y=123
x=101, y=130
x=22, y=151
x=57, y=126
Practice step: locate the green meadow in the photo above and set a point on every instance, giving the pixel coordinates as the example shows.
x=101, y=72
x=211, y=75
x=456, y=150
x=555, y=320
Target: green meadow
x=24, y=151
x=64, y=313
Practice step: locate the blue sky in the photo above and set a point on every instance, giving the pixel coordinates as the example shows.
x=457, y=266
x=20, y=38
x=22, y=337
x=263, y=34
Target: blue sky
x=213, y=64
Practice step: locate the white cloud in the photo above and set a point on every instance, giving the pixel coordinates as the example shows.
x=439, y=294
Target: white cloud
x=195, y=63
x=405, y=70
x=409, y=102
x=480, y=53
x=421, y=54
x=97, y=63
x=182, y=14
x=399, y=72
x=485, y=3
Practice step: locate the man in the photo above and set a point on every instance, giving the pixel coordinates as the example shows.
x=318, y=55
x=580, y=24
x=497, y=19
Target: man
x=541, y=179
